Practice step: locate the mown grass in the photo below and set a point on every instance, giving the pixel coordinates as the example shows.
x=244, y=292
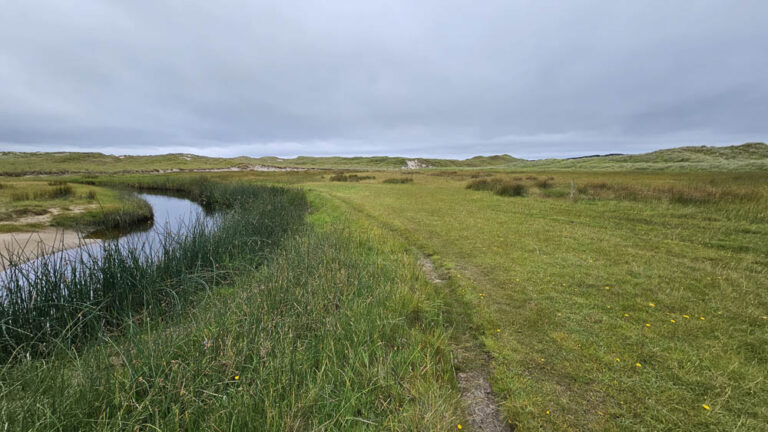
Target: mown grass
x=591, y=308
x=337, y=330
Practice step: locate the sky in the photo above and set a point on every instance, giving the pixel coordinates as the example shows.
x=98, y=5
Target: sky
x=442, y=78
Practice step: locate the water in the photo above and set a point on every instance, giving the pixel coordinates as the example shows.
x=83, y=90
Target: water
x=172, y=216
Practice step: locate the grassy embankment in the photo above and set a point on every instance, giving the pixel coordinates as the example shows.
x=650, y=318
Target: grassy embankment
x=323, y=328
x=30, y=205
x=642, y=304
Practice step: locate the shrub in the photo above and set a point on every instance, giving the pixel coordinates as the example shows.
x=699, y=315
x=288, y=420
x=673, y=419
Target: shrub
x=511, y=189
x=483, y=184
x=350, y=178
x=398, y=180
x=543, y=184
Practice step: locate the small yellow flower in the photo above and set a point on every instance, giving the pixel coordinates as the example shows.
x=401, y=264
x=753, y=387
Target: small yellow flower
x=547, y=412
x=237, y=377
x=498, y=330
x=638, y=365
x=618, y=359
x=686, y=316
x=647, y=324
x=607, y=287
x=652, y=304
x=672, y=321
x=765, y=317
x=706, y=407
x=458, y=426
x=626, y=315
x=702, y=318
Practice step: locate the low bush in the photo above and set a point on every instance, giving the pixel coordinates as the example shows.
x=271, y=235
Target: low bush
x=511, y=189
x=402, y=180
x=350, y=178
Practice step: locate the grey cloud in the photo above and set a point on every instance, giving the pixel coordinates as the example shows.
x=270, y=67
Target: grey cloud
x=432, y=78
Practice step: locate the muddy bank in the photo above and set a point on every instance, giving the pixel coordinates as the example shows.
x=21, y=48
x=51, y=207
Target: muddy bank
x=25, y=246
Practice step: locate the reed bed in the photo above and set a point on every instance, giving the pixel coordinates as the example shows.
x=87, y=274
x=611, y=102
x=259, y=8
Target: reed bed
x=65, y=302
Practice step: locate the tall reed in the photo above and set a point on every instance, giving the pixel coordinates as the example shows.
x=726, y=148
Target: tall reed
x=65, y=300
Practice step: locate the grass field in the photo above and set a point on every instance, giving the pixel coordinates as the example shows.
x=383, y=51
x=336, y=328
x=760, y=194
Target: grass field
x=642, y=304
x=594, y=300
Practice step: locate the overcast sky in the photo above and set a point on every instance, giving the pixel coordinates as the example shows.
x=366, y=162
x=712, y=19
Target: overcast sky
x=443, y=78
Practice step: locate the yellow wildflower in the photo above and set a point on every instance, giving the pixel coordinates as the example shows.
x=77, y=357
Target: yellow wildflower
x=647, y=324
x=702, y=318
x=652, y=304
x=547, y=412
x=638, y=365
x=458, y=426
x=686, y=316
x=672, y=321
x=626, y=315
x=706, y=407
x=237, y=377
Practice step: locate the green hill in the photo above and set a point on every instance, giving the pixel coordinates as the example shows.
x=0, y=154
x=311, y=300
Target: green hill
x=750, y=156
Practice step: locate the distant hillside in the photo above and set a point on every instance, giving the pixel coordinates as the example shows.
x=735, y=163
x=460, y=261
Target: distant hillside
x=750, y=156
x=19, y=163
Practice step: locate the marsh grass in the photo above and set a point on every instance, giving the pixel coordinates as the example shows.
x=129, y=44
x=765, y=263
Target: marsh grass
x=400, y=180
x=499, y=186
x=337, y=329
x=349, y=177
x=54, y=303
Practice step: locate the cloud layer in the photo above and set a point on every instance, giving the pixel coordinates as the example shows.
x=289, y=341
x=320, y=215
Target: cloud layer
x=429, y=78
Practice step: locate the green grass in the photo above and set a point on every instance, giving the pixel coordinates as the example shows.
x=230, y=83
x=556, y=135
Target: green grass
x=745, y=157
x=52, y=303
x=68, y=205
x=337, y=330
x=565, y=355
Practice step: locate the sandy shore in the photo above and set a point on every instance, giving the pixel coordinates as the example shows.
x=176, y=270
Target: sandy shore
x=24, y=246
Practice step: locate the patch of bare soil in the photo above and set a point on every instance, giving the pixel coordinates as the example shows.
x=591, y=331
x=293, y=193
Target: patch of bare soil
x=20, y=247
x=46, y=217
x=482, y=410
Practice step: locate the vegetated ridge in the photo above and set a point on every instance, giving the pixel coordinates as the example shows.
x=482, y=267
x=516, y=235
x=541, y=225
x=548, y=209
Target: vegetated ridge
x=749, y=156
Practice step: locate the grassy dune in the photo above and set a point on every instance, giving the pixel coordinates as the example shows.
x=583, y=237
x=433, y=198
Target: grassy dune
x=750, y=156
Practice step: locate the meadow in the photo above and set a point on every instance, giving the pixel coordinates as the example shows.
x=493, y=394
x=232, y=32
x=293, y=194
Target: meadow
x=640, y=304
x=592, y=299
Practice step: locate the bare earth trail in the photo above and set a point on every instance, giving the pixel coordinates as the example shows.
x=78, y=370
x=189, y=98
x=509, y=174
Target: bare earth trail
x=482, y=409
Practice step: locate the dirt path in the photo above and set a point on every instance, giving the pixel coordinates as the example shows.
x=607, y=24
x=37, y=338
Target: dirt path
x=24, y=246
x=482, y=409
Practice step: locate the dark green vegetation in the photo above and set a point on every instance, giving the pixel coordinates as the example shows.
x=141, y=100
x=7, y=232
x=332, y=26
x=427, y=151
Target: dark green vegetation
x=499, y=186
x=314, y=328
x=341, y=177
x=398, y=180
x=750, y=156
